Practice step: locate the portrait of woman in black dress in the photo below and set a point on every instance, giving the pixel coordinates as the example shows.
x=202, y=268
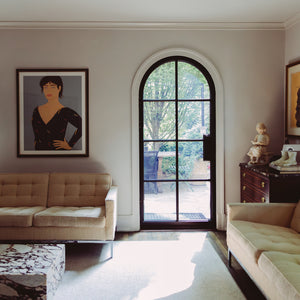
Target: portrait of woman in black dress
x=50, y=120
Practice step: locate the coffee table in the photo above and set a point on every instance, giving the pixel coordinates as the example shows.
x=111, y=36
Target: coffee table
x=30, y=271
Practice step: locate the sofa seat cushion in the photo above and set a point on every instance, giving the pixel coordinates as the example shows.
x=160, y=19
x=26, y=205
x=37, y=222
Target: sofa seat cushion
x=18, y=216
x=283, y=270
x=255, y=238
x=59, y=216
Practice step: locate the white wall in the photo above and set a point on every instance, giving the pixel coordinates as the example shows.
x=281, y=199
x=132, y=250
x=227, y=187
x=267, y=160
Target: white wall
x=292, y=44
x=250, y=62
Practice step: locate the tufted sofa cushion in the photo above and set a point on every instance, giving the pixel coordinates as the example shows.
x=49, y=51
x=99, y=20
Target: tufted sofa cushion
x=295, y=223
x=78, y=189
x=59, y=216
x=18, y=216
x=255, y=238
x=30, y=189
x=282, y=269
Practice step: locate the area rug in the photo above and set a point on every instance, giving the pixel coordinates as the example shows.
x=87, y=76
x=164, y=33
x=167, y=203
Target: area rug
x=185, y=268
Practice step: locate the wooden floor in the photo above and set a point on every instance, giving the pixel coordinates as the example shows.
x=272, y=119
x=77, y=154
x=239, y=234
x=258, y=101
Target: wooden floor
x=218, y=240
x=249, y=289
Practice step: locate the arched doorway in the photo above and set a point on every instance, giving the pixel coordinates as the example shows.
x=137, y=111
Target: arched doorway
x=220, y=210
x=177, y=145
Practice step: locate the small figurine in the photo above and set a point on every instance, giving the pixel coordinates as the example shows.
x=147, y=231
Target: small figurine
x=260, y=143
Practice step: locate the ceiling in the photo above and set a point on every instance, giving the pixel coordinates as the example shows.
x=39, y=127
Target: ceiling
x=150, y=11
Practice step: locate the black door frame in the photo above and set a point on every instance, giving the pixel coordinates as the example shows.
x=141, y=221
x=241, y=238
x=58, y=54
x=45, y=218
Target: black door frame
x=211, y=224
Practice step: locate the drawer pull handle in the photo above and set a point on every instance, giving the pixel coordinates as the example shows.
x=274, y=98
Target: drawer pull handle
x=244, y=174
x=263, y=199
x=262, y=184
x=244, y=187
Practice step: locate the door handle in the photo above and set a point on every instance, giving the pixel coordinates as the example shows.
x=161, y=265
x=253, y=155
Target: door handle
x=208, y=147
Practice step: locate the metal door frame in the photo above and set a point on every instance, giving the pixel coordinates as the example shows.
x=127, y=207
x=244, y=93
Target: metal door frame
x=211, y=224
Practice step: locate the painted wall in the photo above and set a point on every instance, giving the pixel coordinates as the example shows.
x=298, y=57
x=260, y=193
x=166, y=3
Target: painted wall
x=250, y=62
x=292, y=44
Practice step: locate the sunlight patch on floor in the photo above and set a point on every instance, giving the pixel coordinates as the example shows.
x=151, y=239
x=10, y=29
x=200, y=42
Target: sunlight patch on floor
x=175, y=266
x=162, y=265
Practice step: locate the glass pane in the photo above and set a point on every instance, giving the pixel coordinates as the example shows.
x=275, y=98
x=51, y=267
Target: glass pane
x=159, y=120
x=192, y=84
x=159, y=161
x=194, y=201
x=190, y=161
x=193, y=120
x=161, y=206
x=160, y=85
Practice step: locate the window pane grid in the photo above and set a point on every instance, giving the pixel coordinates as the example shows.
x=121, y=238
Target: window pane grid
x=174, y=180
x=177, y=155
x=181, y=140
x=179, y=100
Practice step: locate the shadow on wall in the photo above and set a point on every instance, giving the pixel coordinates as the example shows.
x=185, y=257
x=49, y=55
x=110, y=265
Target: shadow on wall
x=294, y=60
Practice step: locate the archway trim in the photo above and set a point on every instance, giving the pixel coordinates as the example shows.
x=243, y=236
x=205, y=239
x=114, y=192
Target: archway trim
x=220, y=191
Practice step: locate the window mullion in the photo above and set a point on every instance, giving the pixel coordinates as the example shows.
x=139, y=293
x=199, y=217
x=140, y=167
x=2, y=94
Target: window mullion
x=176, y=137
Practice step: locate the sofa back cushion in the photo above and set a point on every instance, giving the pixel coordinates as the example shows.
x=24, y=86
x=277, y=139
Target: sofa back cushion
x=23, y=189
x=295, y=223
x=78, y=189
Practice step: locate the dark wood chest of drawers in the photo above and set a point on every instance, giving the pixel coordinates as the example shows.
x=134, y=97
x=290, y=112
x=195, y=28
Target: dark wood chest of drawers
x=263, y=184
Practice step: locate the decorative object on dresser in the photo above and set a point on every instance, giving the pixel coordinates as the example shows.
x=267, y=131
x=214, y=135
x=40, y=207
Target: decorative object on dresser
x=287, y=163
x=258, y=152
x=264, y=184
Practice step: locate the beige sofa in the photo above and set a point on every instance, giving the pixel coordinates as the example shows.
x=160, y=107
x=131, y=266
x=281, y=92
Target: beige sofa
x=57, y=207
x=265, y=240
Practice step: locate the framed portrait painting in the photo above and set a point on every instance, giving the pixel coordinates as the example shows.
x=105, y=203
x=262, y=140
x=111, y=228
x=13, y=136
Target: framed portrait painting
x=293, y=99
x=52, y=112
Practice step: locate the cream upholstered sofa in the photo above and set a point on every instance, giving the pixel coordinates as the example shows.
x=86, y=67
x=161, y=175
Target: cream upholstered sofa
x=265, y=240
x=57, y=207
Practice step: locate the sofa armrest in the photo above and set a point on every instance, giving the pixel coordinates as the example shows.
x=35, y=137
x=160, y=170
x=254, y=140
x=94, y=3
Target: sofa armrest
x=266, y=213
x=111, y=212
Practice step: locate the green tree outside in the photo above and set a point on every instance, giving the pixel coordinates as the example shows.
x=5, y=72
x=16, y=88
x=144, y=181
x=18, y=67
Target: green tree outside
x=193, y=116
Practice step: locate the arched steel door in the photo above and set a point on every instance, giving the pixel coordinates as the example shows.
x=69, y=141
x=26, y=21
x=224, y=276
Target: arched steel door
x=177, y=145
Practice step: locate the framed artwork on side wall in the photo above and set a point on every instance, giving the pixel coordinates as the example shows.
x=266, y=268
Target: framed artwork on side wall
x=292, y=116
x=52, y=112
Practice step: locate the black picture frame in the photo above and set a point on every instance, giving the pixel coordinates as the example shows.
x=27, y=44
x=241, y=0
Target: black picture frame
x=39, y=124
x=292, y=115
